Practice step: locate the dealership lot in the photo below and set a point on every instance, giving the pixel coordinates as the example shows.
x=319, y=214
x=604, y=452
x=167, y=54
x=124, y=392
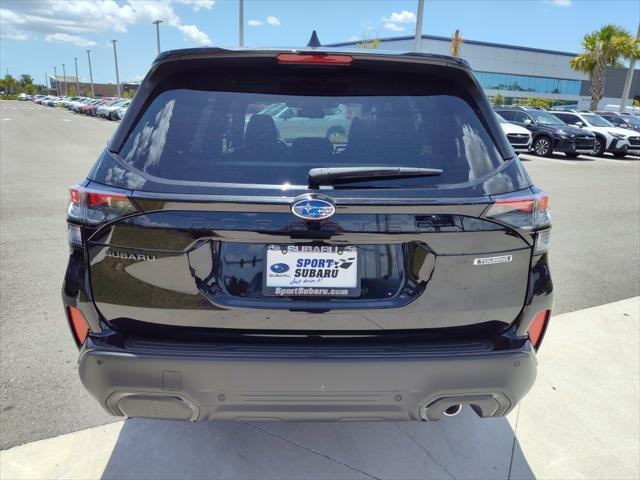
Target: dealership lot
x=576, y=405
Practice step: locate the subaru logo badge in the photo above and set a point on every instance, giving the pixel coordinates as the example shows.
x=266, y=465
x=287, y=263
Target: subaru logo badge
x=280, y=268
x=313, y=209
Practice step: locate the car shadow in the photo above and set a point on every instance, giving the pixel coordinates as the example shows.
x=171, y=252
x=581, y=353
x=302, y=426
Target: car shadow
x=459, y=447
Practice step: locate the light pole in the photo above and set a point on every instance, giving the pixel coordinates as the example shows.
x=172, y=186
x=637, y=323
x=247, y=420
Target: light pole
x=93, y=93
x=75, y=59
x=64, y=77
x=115, y=57
x=241, y=25
x=55, y=75
x=157, y=24
x=418, y=45
x=627, y=83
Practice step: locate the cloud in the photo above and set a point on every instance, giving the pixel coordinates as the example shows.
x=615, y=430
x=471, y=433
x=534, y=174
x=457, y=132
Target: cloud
x=405, y=16
x=254, y=23
x=84, y=17
x=66, y=38
x=198, y=4
x=275, y=21
x=354, y=38
x=192, y=33
x=558, y=3
x=393, y=27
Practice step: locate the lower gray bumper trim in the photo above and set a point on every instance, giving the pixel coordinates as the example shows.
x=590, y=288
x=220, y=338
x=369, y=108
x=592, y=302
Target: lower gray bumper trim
x=192, y=388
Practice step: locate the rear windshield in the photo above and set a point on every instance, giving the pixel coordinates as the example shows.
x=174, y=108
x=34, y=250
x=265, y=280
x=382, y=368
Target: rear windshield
x=275, y=138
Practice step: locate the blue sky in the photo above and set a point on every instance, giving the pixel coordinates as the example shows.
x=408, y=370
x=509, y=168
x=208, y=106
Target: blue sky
x=38, y=34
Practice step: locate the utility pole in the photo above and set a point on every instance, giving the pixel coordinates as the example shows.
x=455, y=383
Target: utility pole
x=157, y=24
x=241, y=25
x=627, y=82
x=418, y=45
x=93, y=93
x=55, y=75
x=115, y=57
x=46, y=81
x=64, y=77
x=75, y=59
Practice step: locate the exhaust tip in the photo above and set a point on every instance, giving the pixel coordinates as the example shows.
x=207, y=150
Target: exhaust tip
x=453, y=410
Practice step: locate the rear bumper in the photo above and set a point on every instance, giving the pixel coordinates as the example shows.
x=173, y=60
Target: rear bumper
x=288, y=382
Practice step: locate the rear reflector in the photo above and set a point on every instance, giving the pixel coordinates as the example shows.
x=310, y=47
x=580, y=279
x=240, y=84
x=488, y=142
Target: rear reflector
x=538, y=327
x=79, y=324
x=313, y=59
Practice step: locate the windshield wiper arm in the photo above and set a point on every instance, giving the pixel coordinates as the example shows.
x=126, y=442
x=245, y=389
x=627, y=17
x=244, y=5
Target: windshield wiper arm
x=330, y=175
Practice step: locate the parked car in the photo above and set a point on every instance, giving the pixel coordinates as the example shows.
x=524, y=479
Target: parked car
x=550, y=134
x=609, y=138
x=519, y=137
x=217, y=272
x=111, y=112
x=293, y=122
x=105, y=109
x=631, y=122
x=23, y=97
x=120, y=112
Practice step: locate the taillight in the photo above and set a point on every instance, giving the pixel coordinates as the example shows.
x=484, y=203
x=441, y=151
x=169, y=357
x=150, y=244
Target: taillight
x=538, y=328
x=529, y=213
x=314, y=59
x=79, y=324
x=92, y=206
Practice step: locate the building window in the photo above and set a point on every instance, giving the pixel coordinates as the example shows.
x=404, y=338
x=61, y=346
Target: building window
x=525, y=83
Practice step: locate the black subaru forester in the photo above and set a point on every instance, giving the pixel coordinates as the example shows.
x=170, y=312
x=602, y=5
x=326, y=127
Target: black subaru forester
x=308, y=235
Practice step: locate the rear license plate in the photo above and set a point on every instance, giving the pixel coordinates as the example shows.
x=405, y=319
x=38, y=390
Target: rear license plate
x=311, y=271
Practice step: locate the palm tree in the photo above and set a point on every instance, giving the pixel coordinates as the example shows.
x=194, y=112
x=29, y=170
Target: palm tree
x=604, y=48
x=456, y=43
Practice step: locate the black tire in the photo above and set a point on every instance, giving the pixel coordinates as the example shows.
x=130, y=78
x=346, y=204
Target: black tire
x=572, y=154
x=598, y=149
x=542, y=146
x=335, y=131
x=620, y=154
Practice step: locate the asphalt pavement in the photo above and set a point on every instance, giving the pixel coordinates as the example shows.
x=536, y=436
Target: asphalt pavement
x=595, y=256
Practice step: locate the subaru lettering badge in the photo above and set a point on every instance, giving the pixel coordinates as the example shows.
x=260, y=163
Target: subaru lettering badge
x=313, y=209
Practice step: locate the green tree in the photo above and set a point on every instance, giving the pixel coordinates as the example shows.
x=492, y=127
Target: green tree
x=536, y=102
x=604, y=48
x=636, y=103
x=25, y=79
x=8, y=84
x=369, y=44
x=498, y=100
x=72, y=91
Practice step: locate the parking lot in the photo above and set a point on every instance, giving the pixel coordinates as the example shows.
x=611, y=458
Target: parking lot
x=580, y=420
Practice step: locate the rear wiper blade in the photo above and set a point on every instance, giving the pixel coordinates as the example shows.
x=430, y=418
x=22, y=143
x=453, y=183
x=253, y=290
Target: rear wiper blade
x=330, y=175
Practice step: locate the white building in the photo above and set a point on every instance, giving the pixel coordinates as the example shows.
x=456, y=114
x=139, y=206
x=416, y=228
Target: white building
x=520, y=72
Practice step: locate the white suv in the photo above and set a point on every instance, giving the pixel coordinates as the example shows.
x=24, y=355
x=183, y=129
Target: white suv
x=609, y=138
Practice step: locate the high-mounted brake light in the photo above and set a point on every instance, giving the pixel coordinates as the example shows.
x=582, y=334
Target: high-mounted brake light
x=314, y=59
x=87, y=205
